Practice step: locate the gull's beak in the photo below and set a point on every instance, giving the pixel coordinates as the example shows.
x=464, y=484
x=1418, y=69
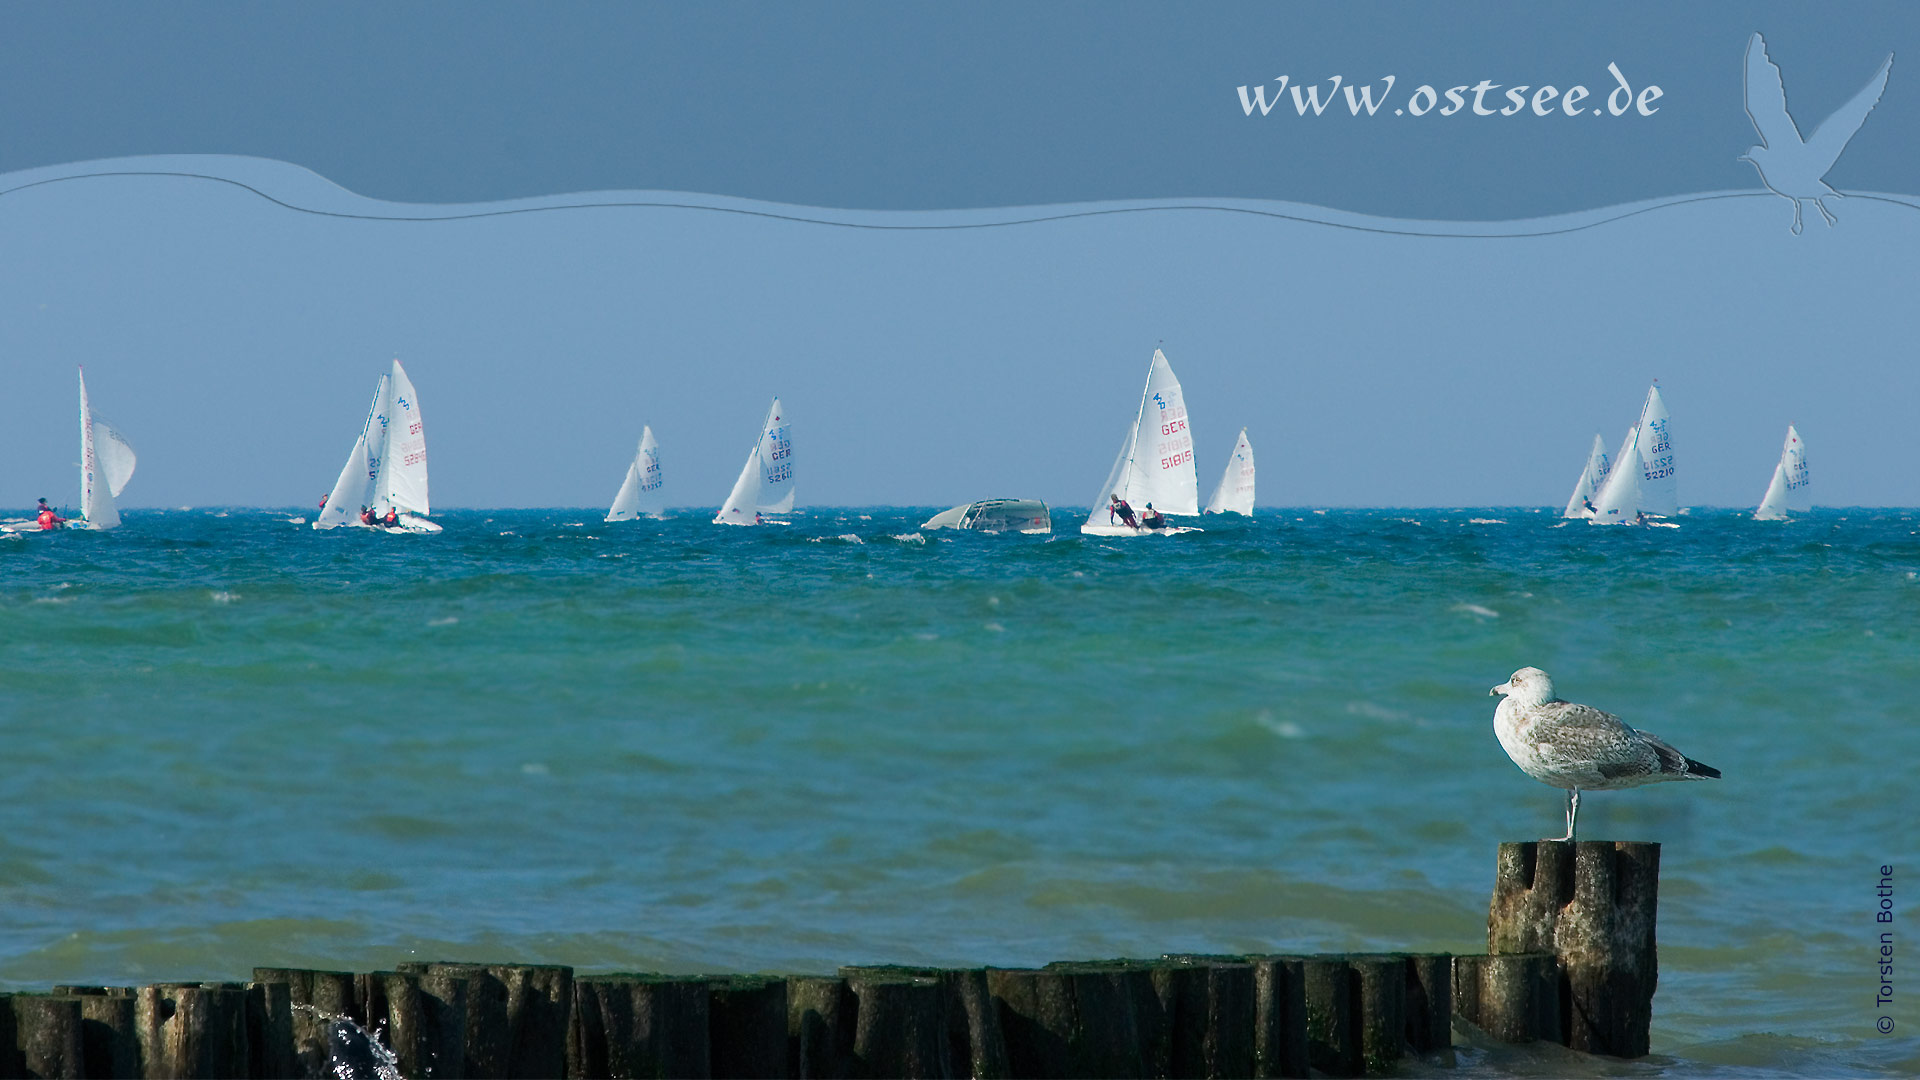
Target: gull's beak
x=1501, y=689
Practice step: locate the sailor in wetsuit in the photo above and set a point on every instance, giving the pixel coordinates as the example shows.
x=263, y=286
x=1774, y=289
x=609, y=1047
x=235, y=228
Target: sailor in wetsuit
x=1118, y=506
x=1153, y=519
x=48, y=520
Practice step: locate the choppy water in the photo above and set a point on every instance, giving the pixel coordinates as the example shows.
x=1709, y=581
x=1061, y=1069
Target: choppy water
x=231, y=741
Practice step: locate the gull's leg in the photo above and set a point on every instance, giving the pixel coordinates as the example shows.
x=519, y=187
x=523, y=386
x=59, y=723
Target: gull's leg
x=1797, y=224
x=1821, y=203
x=1573, y=807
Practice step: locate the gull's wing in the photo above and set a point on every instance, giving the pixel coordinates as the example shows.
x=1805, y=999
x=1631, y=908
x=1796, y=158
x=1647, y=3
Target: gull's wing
x=1576, y=736
x=1833, y=133
x=1767, y=98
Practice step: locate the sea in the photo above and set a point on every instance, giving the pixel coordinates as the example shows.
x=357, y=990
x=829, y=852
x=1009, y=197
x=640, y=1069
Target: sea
x=662, y=745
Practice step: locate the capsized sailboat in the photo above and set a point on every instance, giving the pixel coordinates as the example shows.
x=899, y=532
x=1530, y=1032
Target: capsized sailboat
x=387, y=467
x=1788, y=489
x=1234, y=495
x=1642, y=483
x=106, y=464
x=995, y=515
x=1155, y=466
x=640, y=493
x=765, y=485
x=1592, y=478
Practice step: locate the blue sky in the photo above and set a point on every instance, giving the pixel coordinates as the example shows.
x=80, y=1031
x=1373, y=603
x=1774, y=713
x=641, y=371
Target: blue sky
x=236, y=342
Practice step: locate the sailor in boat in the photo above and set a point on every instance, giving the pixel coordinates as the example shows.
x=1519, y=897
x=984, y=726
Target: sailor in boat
x=1153, y=519
x=366, y=516
x=392, y=518
x=1588, y=503
x=1118, y=506
x=48, y=520
x=1639, y=517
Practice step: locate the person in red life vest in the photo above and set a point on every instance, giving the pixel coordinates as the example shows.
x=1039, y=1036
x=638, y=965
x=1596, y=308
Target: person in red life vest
x=324, y=498
x=48, y=520
x=366, y=516
x=392, y=518
x=1118, y=505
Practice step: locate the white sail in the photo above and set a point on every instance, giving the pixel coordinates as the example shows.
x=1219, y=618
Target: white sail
x=1643, y=479
x=640, y=492
x=1156, y=459
x=1619, y=497
x=354, y=489
x=96, y=490
x=1659, y=484
x=402, y=477
x=1235, y=493
x=765, y=485
x=1591, y=479
x=1789, y=487
x=115, y=455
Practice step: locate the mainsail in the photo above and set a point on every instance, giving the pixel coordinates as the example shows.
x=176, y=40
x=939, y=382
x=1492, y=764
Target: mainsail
x=1642, y=480
x=1591, y=479
x=640, y=492
x=1235, y=493
x=765, y=485
x=402, y=479
x=1788, y=489
x=1155, y=464
x=106, y=464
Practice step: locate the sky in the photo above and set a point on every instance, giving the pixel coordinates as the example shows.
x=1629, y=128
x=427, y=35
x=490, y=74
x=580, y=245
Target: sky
x=235, y=340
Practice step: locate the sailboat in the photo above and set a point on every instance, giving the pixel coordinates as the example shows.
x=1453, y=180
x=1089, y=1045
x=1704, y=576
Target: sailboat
x=1788, y=490
x=106, y=464
x=640, y=492
x=1592, y=478
x=1155, y=465
x=765, y=485
x=1642, y=483
x=995, y=516
x=1235, y=493
x=387, y=467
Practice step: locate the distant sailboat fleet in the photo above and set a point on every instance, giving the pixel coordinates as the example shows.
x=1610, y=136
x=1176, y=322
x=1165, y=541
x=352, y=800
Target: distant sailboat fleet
x=1639, y=485
x=383, y=485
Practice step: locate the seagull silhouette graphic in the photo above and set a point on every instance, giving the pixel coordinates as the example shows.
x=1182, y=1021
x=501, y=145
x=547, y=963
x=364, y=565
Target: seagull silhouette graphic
x=1790, y=166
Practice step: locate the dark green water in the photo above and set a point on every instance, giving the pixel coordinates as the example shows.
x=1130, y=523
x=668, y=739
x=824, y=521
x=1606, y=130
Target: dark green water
x=232, y=741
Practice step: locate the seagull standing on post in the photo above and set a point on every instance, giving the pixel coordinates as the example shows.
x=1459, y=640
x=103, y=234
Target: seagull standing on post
x=1790, y=166
x=1579, y=747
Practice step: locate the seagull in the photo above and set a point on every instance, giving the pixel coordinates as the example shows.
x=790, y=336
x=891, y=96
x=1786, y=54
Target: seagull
x=1790, y=166
x=1579, y=747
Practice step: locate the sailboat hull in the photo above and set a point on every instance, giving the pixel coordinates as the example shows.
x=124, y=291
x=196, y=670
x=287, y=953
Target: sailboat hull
x=1128, y=530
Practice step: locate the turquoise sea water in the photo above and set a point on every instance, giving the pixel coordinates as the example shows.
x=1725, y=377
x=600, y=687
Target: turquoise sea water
x=231, y=741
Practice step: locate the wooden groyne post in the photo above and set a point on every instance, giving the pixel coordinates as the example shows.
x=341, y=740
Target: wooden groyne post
x=1590, y=906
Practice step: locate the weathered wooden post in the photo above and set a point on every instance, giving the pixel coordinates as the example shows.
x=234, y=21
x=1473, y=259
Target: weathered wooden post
x=1381, y=1016
x=270, y=1031
x=422, y=1017
x=1279, y=1017
x=1331, y=989
x=193, y=1029
x=40, y=1035
x=747, y=1027
x=1430, y=1005
x=977, y=1047
x=1592, y=905
x=313, y=998
x=1514, y=998
x=639, y=1026
x=1209, y=1005
x=822, y=1017
x=516, y=1016
x=900, y=1027
x=109, y=1045
x=1080, y=1020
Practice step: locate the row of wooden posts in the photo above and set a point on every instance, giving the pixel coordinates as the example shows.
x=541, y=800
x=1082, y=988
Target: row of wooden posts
x=1569, y=961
